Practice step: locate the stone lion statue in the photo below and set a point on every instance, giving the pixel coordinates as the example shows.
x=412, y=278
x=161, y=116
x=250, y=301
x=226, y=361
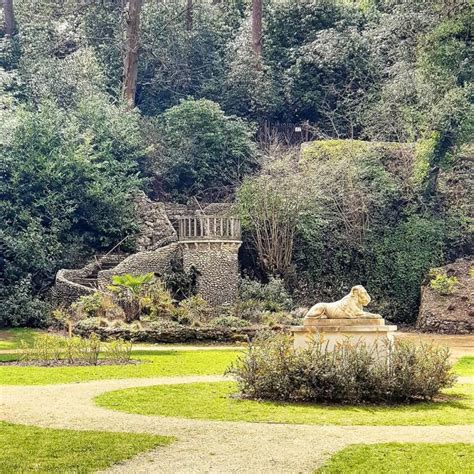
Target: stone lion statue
x=351, y=306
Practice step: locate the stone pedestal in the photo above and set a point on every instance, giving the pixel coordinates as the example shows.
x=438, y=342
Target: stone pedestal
x=334, y=331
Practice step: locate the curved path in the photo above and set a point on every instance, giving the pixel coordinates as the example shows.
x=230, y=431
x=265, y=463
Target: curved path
x=203, y=446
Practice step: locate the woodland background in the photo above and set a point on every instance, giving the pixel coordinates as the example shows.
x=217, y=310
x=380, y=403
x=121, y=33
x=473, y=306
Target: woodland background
x=99, y=99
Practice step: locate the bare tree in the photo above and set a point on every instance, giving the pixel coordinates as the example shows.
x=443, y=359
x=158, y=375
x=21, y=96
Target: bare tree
x=130, y=61
x=9, y=18
x=257, y=27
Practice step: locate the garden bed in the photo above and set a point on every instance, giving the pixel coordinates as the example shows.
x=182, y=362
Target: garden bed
x=65, y=363
x=180, y=334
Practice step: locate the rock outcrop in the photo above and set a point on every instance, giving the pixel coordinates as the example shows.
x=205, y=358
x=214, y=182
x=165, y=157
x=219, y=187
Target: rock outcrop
x=156, y=229
x=451, y=313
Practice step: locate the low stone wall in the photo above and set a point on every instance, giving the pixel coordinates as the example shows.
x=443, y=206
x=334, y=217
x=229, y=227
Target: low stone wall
x=71, y=284
x=182, y=334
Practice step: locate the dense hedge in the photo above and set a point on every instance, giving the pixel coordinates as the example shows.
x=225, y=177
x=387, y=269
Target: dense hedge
x=181, y=334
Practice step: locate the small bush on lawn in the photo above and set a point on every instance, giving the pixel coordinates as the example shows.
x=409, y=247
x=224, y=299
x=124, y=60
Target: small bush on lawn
x=50, y=348
x=351, y=373
x=118, y=350
x=53, y=349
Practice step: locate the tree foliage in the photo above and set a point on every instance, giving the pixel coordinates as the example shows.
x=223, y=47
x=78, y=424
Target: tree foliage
x=202, y=151
x=386, y=70
x=67, y=179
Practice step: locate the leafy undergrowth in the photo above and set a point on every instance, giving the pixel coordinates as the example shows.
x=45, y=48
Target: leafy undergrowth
x=402, y=458
x=154, y=364
x=216, y=401
x=465, y=366
x=33, y=449
x=10, y=338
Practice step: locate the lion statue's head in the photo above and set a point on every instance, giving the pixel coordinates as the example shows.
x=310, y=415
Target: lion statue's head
x=361, y=295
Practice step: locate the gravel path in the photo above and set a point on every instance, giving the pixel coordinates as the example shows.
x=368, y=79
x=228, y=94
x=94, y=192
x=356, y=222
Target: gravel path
x=204, y=446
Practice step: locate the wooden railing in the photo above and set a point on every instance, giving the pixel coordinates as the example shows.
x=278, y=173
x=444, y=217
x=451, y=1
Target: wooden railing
x=209, y=228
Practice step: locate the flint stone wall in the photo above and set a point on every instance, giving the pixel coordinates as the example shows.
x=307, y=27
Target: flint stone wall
x=151, y=261
x=71, y=284
x=156, y=229
x=218, y=267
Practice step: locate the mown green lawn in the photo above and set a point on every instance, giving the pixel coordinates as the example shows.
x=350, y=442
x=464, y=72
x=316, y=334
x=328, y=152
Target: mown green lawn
x=153, y=364
x=402, y=458
x=32, y=449
x=215, y=401
x=10, y=338
x=465, y=366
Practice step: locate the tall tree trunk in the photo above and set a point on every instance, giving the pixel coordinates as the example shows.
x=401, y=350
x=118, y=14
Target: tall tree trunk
x=189, y=15
x=9, y=18
x=130, y=61
x=257, y=27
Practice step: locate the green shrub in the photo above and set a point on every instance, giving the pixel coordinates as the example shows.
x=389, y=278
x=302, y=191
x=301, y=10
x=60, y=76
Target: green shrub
x=50, y=348
x=93, y=323
x=97, y=305
x=82, y=350
x=277, y=319
x=202, y=149
x=271, y=296
x=160, y=324
x=129, y=290
x=195, y=309
x=44, y=348
x=118, y=351
x=402, y=258
x=66, y=182
x=156, y=301
x=180, y=283
x=229, y=322
x=19, y=306
x=443, y=284
x=352, y=373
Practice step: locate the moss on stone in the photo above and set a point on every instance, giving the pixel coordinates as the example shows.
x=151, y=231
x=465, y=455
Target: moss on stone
x=338, y=149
